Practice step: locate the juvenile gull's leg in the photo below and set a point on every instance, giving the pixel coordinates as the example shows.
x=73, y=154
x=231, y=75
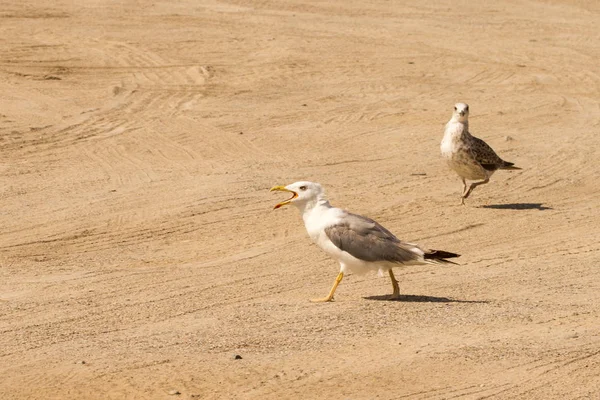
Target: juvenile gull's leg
x=462, y=199
x=474, y=185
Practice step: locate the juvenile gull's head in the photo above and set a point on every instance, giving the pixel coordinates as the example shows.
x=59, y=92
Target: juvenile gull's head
x=461, y=112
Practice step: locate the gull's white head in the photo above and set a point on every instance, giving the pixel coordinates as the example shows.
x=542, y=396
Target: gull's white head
x=461, y=112
x=302, y=193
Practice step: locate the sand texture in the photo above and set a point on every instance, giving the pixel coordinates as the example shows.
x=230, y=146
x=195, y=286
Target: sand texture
x=139, y=252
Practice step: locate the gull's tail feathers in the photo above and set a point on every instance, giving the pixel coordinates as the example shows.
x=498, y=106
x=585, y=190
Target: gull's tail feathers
x=508, y=165
x=440, y=256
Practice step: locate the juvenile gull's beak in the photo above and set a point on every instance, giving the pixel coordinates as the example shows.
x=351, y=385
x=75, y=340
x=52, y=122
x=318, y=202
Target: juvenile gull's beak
x=283, y=189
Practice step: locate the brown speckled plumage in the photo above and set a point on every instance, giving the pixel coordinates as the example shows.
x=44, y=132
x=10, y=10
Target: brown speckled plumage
x=470, y=157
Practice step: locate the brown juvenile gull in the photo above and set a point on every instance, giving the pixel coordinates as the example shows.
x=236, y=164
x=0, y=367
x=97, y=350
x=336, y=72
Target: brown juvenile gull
x=358, y=243
x=470, y=157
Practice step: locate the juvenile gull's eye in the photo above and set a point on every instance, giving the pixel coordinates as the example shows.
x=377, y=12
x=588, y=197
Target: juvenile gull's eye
x=302, y=187
x=454, y=108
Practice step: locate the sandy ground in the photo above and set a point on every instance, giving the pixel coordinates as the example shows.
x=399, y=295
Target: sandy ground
x=139, y=252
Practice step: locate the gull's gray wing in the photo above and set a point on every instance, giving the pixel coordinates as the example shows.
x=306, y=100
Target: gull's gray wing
x=367, y=240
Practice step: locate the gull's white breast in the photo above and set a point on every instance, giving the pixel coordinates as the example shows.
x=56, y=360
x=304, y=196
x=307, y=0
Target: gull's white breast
x=455, y=149
x=451, y=140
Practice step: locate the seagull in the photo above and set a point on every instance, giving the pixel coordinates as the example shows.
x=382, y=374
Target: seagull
x=358, y=243
x=470, y=157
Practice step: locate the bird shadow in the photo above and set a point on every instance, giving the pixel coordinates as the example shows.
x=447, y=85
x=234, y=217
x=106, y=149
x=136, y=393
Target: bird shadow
x=411, y=298
x=518, y=206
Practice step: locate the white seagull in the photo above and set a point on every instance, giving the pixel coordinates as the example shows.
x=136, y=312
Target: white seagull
x=358, y=243
x=470, y=157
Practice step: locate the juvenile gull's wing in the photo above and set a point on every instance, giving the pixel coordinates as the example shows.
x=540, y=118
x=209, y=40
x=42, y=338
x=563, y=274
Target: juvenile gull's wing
x=367, y=240
x=485, y=155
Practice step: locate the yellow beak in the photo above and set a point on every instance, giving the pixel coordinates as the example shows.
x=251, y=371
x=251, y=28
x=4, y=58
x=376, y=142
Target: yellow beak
x=283, y=189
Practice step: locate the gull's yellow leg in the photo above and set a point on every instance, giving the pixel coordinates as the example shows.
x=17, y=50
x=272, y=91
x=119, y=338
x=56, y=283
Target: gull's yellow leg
x=396, y=293
x=332, y=291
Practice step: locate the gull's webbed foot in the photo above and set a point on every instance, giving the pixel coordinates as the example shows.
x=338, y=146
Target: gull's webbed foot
x=323, y=300
x=396, y=294
x=332, y=291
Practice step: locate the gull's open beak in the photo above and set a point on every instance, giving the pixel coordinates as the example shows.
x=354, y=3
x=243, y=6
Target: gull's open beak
x=283, y=189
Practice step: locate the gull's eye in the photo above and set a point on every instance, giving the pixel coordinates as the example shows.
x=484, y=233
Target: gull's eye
x=454, y=108
x=302, y=188
x=467, y=108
